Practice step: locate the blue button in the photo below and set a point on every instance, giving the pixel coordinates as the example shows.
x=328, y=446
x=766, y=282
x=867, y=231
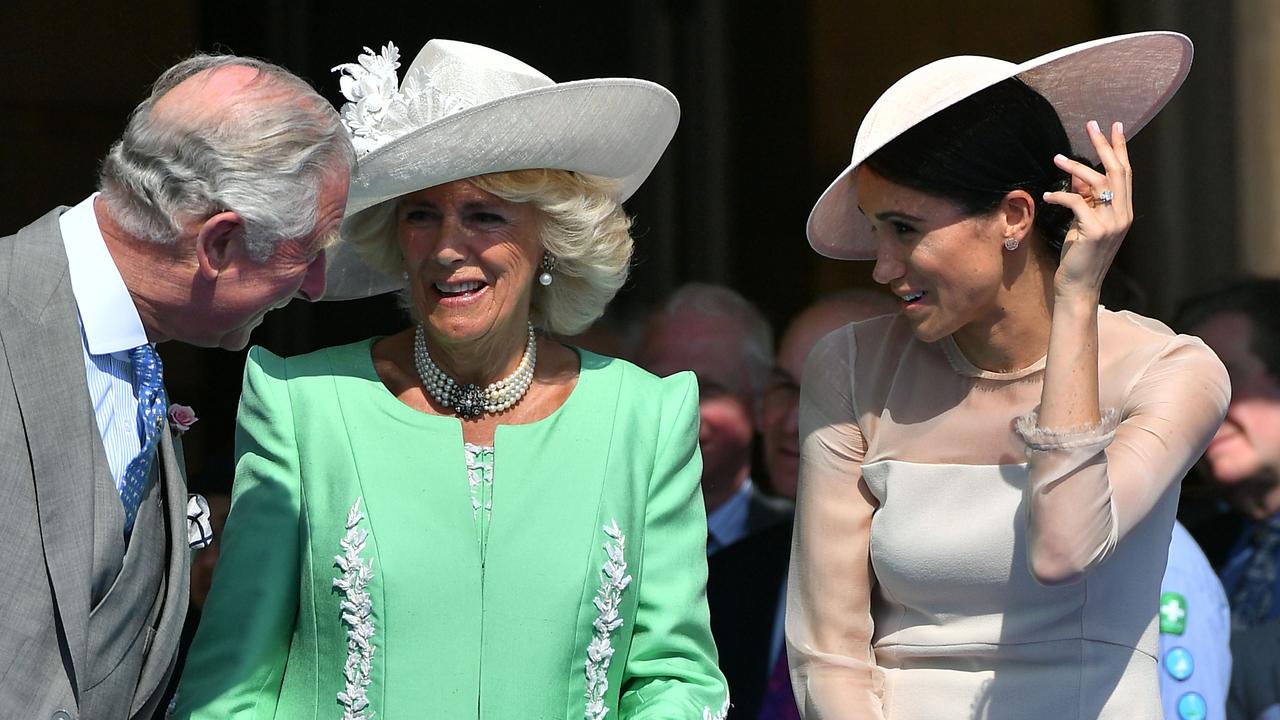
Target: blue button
x=1178, y=663
x=1192, y=707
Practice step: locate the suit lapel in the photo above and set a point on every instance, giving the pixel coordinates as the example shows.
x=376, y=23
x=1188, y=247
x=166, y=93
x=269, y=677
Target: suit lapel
x=45, y=353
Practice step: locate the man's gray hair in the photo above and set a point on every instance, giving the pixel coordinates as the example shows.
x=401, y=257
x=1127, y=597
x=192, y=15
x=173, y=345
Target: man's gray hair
x=265, y=158
x=720, y=301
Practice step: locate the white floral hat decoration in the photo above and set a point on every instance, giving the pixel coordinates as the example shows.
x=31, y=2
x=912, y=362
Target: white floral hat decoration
x=1126, y=78
x=464, y=110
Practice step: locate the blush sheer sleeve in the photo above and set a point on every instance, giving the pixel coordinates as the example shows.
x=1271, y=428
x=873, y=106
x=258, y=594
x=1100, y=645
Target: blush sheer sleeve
x=1088, y=487
x=828, y=620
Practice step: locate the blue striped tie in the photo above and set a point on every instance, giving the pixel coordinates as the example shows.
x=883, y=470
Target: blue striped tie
x=148, y=383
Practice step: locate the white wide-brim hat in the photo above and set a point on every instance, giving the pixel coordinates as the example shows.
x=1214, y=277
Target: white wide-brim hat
x=1126, y=78
x=465, y=110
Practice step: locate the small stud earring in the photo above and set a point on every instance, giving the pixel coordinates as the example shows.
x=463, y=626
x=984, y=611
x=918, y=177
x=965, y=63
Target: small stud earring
x=1011, y=243
x=548, y=264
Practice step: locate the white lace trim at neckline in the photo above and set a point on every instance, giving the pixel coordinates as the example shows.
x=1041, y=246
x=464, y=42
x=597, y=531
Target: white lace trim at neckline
x=479, y=473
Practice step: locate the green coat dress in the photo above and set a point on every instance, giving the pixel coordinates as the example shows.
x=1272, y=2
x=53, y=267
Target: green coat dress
x=352, y=581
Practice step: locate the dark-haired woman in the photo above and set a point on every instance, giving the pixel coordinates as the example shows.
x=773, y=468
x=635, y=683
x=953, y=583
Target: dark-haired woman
x=989, y=477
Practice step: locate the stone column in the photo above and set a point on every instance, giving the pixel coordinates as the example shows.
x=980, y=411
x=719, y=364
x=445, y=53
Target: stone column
x=1186, y=232
x=1257, y=127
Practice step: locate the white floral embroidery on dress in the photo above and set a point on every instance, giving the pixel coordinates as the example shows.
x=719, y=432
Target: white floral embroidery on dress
x=357, y=611
x=380, y=109
x=613, y=580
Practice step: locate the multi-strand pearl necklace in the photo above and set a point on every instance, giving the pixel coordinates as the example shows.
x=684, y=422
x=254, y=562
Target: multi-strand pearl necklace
x=468, y=401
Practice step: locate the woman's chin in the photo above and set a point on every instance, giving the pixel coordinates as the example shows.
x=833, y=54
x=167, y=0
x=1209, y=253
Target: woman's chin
x=454, y=331
x=458, y=326
x=927, y=332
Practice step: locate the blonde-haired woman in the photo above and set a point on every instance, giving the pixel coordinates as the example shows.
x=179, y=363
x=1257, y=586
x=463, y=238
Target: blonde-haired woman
x=467, y=519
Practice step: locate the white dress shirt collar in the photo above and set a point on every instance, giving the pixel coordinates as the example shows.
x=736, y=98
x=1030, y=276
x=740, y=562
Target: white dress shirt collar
x=107, y=313
x=727, y=524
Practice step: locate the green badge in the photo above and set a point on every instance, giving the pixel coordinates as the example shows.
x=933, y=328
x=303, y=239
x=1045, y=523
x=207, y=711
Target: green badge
x=1173, y=613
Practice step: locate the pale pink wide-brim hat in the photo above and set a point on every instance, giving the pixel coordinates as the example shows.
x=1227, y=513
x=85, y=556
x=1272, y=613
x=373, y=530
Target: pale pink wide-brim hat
x=464, y=110
x=1126, y=78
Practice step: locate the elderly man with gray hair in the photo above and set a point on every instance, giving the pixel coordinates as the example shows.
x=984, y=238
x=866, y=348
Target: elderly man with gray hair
x=214, y=207
x=727, y=343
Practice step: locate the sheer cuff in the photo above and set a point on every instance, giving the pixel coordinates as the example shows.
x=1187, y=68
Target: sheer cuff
x=829, y=685
x=1097, y=435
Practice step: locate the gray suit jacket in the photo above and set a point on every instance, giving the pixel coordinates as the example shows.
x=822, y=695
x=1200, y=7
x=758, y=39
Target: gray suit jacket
x=79, y=637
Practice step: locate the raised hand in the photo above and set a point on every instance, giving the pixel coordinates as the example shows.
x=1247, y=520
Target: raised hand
x=1103, y=207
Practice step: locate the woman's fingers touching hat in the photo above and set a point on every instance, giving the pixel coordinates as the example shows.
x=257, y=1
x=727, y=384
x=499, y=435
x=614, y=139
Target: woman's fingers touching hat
x=1117, y=169
x=1084, y=178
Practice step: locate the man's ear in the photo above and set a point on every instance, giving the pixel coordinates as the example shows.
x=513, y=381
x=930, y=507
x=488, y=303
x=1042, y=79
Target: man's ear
x=219, y=241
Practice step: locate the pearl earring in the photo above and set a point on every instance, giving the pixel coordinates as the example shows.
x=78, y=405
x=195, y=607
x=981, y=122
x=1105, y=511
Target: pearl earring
x=1011, y=243
x=548, y=264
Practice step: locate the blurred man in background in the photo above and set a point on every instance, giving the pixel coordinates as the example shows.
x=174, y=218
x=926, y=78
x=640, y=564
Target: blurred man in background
x=1241, y=324
x=727, y=343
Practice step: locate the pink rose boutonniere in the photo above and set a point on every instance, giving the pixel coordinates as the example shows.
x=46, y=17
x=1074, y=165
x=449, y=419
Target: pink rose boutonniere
x=182, y=417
